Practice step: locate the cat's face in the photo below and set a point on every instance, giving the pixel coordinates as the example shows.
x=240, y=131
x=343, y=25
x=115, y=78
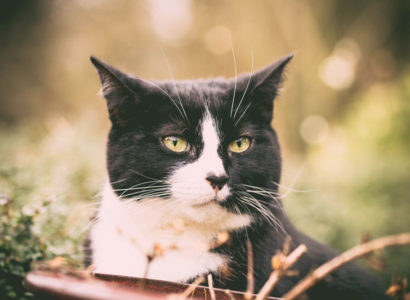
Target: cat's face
x=198, y=143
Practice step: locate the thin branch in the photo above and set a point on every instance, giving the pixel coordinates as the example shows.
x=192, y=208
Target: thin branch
x=229, y=294
x=211, y=287
x=189, y=290
x=251, y=282
x=345, y=257
x=281, y=271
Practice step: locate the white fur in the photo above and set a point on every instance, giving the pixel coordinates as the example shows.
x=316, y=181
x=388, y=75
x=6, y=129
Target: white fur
x=126, y=232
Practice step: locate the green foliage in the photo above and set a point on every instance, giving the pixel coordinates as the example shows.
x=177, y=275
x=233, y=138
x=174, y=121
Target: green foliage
x=44, y=198
x=359, y=179
x=19, y=248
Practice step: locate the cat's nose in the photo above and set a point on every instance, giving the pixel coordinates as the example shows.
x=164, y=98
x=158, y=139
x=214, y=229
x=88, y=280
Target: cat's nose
x=217, y=182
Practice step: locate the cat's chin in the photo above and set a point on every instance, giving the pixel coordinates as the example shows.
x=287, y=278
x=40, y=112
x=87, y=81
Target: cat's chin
x=213, y=213
x=213, y=201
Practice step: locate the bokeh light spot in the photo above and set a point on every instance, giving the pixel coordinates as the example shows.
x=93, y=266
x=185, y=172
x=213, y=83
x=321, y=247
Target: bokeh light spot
x=314, y=129
x=171, y=18
x=338, y=70
x=218, y=40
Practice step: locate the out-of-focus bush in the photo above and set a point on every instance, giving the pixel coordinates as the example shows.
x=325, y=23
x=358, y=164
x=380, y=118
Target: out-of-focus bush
x=357, y=177
x=19, y=248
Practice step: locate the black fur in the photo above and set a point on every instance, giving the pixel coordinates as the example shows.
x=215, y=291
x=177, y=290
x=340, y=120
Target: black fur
x=142, y=112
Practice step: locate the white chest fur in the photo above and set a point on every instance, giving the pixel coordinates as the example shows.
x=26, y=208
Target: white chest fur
x=128, y=233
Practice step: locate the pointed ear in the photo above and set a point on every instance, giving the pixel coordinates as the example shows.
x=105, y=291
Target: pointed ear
x=119, y=90
x=266, y=83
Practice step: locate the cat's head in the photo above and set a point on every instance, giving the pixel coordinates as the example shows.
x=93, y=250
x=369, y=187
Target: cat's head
x=194, y=142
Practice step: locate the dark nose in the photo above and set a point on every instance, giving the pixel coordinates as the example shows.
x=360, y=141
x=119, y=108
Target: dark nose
x=217, y=182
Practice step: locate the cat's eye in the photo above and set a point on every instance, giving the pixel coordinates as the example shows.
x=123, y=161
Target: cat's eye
x=175, y=143
x=240, y=144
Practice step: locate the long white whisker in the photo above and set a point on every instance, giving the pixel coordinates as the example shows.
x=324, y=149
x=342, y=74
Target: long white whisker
x=143, y=190
x=246, y=89
x=147, y=187
x=152, y=186
x=263, y=193
x=252, y=201
x=173, y=81
x=150, y=194
x=89, y=225
x=172, y=99
x=146, y=176
x=147, y=183
x=254, y=187
x=292, y=184
x=272, y=197
x=234, y=90
x=117, y=181
x=243, y=114
x=264, y=211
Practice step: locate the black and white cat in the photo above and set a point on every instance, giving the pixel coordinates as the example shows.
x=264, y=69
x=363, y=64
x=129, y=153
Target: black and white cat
x=189, y=162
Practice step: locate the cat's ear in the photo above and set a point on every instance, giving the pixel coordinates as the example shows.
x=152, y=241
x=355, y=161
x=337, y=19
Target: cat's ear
x=120, y=90
x=265, y=84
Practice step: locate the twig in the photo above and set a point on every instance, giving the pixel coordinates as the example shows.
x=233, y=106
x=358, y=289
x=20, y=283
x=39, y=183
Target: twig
x=281, y=271
x=211, y=287
x=251, y=283
x=345, y=257
x=189, y=290
x=229, y=294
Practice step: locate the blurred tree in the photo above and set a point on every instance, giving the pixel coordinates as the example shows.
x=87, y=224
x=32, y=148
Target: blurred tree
x=23, y=36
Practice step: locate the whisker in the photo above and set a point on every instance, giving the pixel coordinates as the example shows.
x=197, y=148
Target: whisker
x=277, y=203
x=234, y=90
x=243, y=114
x=292, y=184
x=148, y=183
x=264, y=193
x=137, y=188
x=146, y=176
x=261, y=189
x=89, y=225
x=173, y=81
x=257, y=204
x=118, y=181
x=246, y=89
x=172, y=99
x=147, y=195
x=269, y=216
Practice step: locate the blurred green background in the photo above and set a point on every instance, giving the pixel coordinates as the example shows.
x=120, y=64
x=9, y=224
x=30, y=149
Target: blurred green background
x=343, y=117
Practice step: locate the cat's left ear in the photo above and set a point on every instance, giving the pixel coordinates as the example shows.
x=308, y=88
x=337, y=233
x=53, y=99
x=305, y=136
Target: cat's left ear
x=264, y=84
x=122, y=92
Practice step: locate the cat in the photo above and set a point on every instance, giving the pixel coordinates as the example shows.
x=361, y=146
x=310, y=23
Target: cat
x=193, y=174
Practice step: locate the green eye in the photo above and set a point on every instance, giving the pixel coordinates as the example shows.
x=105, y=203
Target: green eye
x=240, y=145
x=175, y=143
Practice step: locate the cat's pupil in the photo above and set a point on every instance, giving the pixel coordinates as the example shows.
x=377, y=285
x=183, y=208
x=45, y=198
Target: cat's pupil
x=239, y=143
x=174, y=141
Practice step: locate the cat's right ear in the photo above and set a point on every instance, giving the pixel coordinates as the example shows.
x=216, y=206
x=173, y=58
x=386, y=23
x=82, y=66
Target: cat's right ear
x=120, y=91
